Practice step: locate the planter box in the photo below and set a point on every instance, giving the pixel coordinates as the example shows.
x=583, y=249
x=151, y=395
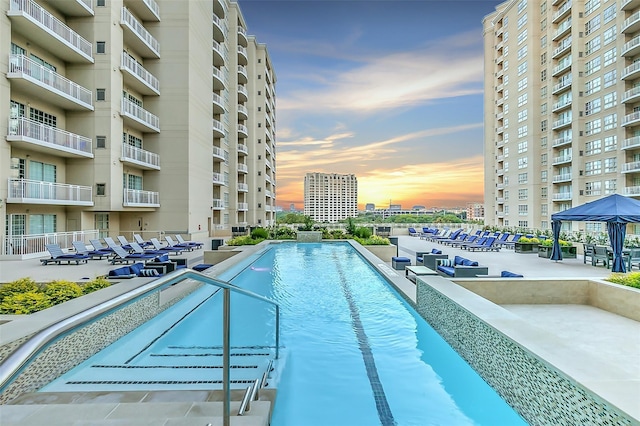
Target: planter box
x=384, y=253
x=568, y=252
x=526, y=247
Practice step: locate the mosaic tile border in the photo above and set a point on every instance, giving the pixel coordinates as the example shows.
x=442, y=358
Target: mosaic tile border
x=76, y=347
x=541, y=395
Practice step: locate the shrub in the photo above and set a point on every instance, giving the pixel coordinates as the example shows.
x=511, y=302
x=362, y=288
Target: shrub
x=24, y=303
x=373, y=240
x=23, y=285
x=549, y=242
x=338, y=234
x=95, y=285
x=259, y=233
x=62, y=290
x=532, y=240
x=363, y=232
x=285, y=233
x=243, y=241
x=632, y=279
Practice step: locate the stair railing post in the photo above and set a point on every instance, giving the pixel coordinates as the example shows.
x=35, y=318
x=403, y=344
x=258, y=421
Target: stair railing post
x=226, y=321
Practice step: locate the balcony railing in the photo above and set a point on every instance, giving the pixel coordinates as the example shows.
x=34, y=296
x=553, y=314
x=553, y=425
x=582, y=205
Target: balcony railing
x=562, y=141
x=628, y=24
x=562, y=159
x=141, y=115
x=562, y=122
x=139, y=156
x=141, y=32
x=242, y=110
x=243, y=207
x=242, y=168
x=51, y=137
x=21, y=66
x=562, y=196
x=243, y=187
x=39, y=192
x=35, y=244
x=243, y=91
x=629, y=47
x=218, y=179
x=632, y=190
x=137, y=70
x=562, y=177
x=219, y=153
x=631, y=167
x=140, y=198
x=631, y=69
x=562, y=28
x=561, y=12
x=243, y=129
x=631, y=94
x=52, y=25
x=562, y=85
x=217, y=125
x=562, y=103
x=631, y=118
x=243, y=149
x=217, y=204
x=630, y=143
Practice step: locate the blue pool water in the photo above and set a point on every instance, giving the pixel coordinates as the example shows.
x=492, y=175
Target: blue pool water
x=353, y=352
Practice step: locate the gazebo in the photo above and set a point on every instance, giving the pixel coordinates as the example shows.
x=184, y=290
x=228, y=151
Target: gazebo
x=616, y=210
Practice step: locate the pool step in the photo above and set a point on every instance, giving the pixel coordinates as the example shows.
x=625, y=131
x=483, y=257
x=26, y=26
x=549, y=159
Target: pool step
x=174, y=408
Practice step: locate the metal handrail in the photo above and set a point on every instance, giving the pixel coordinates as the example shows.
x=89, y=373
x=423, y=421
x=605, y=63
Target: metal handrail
x=19, y=358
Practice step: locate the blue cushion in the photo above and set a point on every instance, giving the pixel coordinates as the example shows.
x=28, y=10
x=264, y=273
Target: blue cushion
x=118, y=272
x=136, y=268
x=419, y=258
x=458, y=260
x=162, y=258
x=436, y=251
x=201, y=267
x=505, y=274
x=401, y=259
x=447, y=270
x=467, y=262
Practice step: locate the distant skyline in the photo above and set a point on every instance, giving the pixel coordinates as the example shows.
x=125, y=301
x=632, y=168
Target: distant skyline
x=390, y=91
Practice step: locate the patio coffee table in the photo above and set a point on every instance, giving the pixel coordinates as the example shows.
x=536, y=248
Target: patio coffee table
x=417, y=271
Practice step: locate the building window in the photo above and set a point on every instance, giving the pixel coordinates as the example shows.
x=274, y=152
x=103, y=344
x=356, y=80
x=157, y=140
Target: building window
x=101, y=47
x=101, y=221
x=610, y=165
x=101, y=3
x=101, y=189
x=101, y=141
x=42, y=117
x=101, y=94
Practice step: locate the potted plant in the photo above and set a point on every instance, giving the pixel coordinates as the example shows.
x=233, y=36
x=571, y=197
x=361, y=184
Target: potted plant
x=546, y=246
x=527, y=245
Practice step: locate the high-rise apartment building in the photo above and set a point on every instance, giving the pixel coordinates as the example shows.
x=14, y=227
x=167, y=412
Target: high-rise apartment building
x=330, y=197
x=475, y=211
x=129, y=116
x=562, y=108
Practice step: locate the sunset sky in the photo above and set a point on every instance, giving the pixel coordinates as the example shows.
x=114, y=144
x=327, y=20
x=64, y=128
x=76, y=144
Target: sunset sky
x=390, y=91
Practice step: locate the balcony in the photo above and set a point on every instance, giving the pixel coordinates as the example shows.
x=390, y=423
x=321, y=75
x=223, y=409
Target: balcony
x=219, y=29
x=217, y=204
x=562, y=86
x=219, y=154
x=242, y=55
x=138, y=78
x=563, y=47
x=631, y=143
x=242, y=74
x=79, y=8
x=242, y=37
x=633, y=167
x=243, y=95
x=243, y=113
x=42, y=28
x=631, y=72
x=137, y=37
x=631, y=24
x=218, y=179
x=27, y=191
x=562, y=159
x=242, y=168
x=562, y=66
x=139, y=118
x=140, y=198
x=630, y=4
x=563, y=122
x=243, y=149
x=562, y=30
x=218, y=128
x=565, y=140
x=632, y=47
x=562, y=104
x=631, y=95
x=218, y=79
x=218, y=105
x=500, y=172
x=564, y=177
x=562, y=196
x=562, y=12
x=34, y=136
x=42, y=83
x=243, y=207
x=631, y=119
x=147, y=10
x=140, y=158
x=243, y=187
x=632, y=191
x=219, y=54
x=243, y=132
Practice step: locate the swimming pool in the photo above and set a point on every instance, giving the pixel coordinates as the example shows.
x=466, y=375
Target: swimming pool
x=353, y=351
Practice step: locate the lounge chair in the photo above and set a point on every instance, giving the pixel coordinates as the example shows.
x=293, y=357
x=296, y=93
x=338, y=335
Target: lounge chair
x=503, y=237
x=199, y=245
x=135, y=248
x=124, y=243
x=478, y=241
x=633, y=257
x=459, y=237
x=469, y=240
x=58, y=256
x=413, y=232
x=121, y=256
x=141, y=241
x=510, y=244
x=98, y=246
x=488, y=245
x=81, y=248
x=171, y=243
x=111, y=244
x=452, y=236
x=601, y=254
x=167, y=249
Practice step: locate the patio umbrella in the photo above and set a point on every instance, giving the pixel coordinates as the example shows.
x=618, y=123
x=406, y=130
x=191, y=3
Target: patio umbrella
x=556, y=253
x=617, y=232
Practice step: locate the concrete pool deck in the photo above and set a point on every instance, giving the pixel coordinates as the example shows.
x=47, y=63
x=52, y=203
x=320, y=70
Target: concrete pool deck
x=612, y=339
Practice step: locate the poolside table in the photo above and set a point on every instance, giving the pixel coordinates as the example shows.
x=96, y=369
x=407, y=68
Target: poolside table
x=418, y=270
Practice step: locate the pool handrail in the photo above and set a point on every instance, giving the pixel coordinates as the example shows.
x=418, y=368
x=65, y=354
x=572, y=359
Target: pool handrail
x=21, y=356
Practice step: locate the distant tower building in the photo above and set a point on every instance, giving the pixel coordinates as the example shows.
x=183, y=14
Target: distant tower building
x=292, y=207
x=370, y=207
x=475, y=211
x=330, y=197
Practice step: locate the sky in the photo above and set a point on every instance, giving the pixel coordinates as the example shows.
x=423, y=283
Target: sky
x=388, y=90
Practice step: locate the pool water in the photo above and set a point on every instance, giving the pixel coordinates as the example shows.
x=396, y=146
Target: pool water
x=353, y=352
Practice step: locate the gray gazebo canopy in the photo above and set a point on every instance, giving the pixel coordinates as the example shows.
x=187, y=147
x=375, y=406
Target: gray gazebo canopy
x=616, y=210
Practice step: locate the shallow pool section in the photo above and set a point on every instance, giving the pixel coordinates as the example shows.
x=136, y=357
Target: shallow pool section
x=352, y=351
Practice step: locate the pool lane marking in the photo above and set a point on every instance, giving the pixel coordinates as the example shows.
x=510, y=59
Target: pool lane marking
x=382, y=405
